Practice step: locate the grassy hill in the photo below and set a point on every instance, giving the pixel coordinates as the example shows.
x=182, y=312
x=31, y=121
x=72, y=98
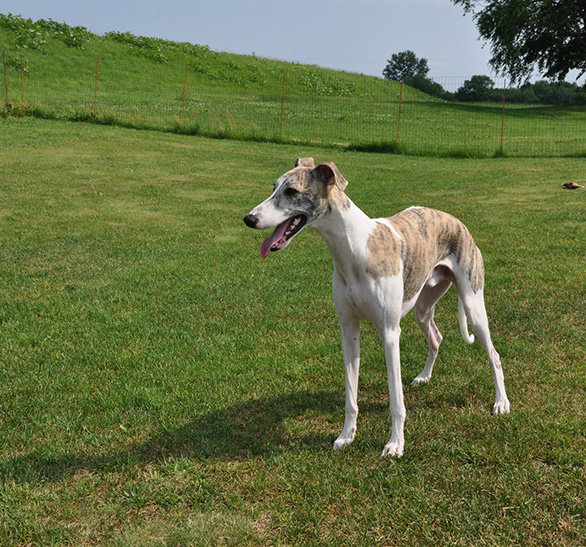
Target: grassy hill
x=54, y=70
x=208, y=68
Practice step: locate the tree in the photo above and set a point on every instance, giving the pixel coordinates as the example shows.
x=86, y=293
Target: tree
x=547, y=36
x=476, y=89
x=427, y=85
x=561, y=93
x=405, y=65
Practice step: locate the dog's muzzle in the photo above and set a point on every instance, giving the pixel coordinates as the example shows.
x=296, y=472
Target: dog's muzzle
x=282, y=234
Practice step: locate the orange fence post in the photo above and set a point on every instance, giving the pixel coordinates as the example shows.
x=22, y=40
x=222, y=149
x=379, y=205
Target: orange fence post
x=96, y=86
x=282, y=106
x=22, y=77
x=183, y=96
x=6, y=80
x=400, y=106
x=503, y=116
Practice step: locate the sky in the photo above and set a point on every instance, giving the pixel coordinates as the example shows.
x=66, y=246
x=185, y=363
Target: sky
x=352, y=35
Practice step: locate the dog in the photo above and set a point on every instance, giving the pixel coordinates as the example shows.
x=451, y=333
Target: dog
x=383, y=268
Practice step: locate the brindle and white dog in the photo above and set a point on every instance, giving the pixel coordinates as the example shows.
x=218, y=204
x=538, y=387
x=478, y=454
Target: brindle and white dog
x=382, y=269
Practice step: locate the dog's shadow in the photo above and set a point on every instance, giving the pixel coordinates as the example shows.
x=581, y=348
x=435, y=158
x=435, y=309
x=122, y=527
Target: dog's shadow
x=250, y=429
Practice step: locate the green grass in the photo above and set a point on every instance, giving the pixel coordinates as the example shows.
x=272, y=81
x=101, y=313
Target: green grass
x=161, y=384
x=141, y=84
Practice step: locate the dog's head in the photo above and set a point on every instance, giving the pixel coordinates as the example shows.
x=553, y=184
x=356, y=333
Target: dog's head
x=299, y=198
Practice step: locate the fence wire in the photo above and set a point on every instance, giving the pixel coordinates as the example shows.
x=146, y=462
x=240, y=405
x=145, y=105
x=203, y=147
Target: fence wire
x=139, y=94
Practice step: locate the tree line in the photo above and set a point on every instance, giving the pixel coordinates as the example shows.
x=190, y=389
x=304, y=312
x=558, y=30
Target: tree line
x=546, y=37
x=526, y=37
x=407, y=67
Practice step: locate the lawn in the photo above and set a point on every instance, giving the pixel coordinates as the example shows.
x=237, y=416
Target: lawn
x=162, y=385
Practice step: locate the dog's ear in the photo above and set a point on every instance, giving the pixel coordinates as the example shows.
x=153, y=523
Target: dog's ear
x=304, y=162
x=328, y=173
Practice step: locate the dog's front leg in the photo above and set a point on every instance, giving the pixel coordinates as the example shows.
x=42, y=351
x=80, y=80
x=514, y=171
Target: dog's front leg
x=350, y=327
x=396, y=443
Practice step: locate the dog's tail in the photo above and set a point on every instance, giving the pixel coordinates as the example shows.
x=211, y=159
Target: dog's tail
x=468, y=338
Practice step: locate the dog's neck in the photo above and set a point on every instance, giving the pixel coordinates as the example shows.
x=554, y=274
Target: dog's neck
x=346, y=231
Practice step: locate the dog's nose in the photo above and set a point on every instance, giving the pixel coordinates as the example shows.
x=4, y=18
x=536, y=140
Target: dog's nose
x=251, y=220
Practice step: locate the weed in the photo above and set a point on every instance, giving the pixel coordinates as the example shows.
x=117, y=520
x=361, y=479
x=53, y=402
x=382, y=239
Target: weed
x=378, y=147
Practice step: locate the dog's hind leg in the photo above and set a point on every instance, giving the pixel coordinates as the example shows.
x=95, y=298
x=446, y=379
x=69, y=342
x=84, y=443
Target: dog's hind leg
x=424, y=310
x=476, y=314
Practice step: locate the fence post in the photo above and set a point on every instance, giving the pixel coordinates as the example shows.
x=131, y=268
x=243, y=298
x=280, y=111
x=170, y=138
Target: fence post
x=503, y=115
x=22, y=77
x=96, y=86
x=183, y=96
x=5, y=80
x=400, y=106
x=282, y=106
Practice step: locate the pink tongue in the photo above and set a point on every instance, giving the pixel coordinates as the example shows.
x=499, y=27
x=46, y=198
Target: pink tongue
x=279, y=232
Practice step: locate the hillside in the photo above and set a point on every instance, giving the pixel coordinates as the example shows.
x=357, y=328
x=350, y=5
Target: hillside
x=78, y=48
x=57, y=71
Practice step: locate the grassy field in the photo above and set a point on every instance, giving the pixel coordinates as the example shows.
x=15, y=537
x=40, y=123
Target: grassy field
x=162, y=385
x=142, y=82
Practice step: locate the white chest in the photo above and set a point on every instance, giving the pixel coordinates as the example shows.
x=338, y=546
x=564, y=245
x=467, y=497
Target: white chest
x=371, y=299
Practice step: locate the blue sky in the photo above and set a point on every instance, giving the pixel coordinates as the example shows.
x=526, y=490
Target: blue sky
x=352, y=35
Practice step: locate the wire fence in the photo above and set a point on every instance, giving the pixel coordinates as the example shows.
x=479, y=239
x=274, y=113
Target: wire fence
x=391, y=116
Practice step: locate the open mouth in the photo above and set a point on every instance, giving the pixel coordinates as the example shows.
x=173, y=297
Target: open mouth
x=282, y=234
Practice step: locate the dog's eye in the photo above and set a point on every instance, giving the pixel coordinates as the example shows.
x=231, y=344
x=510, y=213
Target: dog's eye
x=291, y=191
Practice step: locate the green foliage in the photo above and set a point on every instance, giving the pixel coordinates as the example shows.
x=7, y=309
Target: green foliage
x=34, y=35
x=323, y=84
x=558, y=93
x=481, y=89
x=427, y=86
x=151, y=48
x=154, y=48
x=477, y=89
x=548, y=93
x=74, y=37
x=405, y=65
x=532, y=35
x=27, y=34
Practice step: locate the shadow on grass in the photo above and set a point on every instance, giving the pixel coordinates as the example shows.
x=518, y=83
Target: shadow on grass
x=251, y=429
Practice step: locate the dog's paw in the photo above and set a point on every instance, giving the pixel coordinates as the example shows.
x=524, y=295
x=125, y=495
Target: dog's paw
x=421, y=380
x=501, y=407
x=392, y=449
x=341, y=442
x=346, y=437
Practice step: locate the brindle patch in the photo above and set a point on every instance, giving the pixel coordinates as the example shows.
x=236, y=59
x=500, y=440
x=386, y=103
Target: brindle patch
x=304, y=162
x=306, y=181
x=383, y=252
x=339, y=199
x=430, y=236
